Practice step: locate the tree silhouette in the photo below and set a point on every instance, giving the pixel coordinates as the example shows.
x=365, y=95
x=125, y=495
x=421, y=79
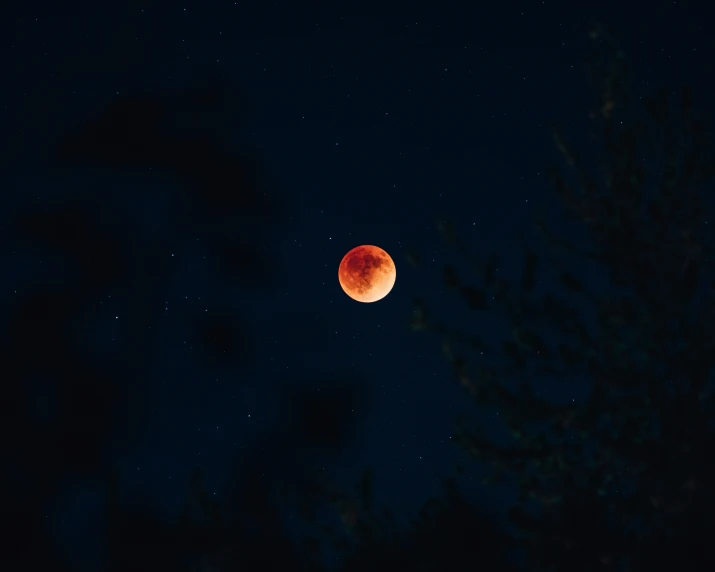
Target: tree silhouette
x=75, y=397
x=621, y=479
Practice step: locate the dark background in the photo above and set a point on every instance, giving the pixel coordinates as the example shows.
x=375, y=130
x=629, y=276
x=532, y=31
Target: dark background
x=180, y=182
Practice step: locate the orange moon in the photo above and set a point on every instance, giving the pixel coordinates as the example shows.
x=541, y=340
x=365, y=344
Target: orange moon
x=367, y=273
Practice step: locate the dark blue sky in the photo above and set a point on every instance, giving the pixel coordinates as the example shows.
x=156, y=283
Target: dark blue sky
x=367, y=120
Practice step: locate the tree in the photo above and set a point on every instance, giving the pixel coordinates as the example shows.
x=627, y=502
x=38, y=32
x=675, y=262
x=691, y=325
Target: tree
x=74, y=399
x=622, y=479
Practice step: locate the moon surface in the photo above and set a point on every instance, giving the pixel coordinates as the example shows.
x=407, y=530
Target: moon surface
x=367, y=273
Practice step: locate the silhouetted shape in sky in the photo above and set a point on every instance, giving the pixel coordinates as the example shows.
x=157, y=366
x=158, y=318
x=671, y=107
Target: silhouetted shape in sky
x=617, y=476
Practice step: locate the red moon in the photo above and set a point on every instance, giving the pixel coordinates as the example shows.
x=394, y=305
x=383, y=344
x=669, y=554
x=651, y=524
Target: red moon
x=367, y=273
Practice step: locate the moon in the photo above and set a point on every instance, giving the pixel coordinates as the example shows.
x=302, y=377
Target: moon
x=367, y=273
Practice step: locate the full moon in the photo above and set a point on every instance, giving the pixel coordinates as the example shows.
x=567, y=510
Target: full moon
x=367, y=273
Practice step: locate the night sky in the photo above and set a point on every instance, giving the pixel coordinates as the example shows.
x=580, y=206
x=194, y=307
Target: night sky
x=181, y=181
